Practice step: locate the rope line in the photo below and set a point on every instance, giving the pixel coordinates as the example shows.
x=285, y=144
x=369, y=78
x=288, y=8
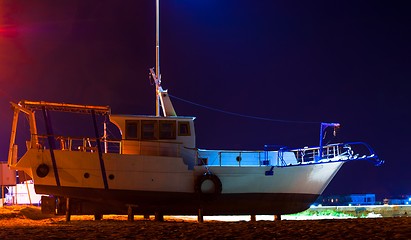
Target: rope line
x=242, y=115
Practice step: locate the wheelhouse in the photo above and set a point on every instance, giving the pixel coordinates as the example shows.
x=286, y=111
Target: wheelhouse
x=159, y=136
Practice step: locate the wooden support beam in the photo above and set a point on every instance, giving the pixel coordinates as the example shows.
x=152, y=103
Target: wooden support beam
x=130, y=213
x=159, y=217
x=68, y=210
x=98, y=216
x=200, y=216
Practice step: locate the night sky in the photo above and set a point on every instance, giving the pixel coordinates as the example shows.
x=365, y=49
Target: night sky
x=303, y=61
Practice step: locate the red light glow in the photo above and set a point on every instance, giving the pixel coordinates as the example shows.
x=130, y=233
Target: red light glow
x=8, y=31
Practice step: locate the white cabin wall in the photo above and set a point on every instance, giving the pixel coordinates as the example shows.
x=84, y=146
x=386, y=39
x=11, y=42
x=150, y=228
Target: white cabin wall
x=138, y=146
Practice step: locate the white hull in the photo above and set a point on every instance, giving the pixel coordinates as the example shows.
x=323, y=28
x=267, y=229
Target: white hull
x=136, y=175
x=146, y=173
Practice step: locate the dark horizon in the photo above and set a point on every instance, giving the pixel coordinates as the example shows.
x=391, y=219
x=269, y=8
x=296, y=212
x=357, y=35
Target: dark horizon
x=346, y=62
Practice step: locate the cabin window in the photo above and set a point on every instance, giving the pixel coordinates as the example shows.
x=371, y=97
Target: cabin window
x=167, y=129
x=184, y=128
x=131, y=129
x=148, y=130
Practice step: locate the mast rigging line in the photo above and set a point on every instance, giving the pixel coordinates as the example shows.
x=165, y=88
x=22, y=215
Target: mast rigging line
x=243, y=115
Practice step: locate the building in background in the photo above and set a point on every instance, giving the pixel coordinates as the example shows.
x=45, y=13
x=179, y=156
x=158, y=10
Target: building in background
x=347, y=200
x=7, y=179
x=398, y=200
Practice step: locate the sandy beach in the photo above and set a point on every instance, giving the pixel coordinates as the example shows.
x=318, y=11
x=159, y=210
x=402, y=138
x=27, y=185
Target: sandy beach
x=29, y=223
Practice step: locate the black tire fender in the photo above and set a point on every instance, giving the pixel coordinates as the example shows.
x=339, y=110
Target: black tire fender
x=42, y=170
x=218, y=186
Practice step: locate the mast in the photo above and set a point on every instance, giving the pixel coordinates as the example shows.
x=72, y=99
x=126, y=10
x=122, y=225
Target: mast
x=162, y=98
x=158, y=57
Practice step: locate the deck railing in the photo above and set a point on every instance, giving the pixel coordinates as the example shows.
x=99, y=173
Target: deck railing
x=84, y=144
x=87, y=144
x=336, y=152
x=310, y=154
x=287, y=157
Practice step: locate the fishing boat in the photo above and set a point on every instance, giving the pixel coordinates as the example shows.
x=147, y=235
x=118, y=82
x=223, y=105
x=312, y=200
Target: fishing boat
x=155, y=167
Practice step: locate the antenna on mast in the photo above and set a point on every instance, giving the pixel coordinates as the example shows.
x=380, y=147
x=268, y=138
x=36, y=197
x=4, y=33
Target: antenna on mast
x=158, y=57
